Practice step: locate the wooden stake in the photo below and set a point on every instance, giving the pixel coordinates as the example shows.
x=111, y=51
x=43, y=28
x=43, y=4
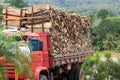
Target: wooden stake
x=32, y=20
x=6, y=13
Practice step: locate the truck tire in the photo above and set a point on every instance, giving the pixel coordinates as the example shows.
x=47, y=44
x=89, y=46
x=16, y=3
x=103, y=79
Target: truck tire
x=63, y=76
x=43, y=77
x=77, y=73
x=71, y=74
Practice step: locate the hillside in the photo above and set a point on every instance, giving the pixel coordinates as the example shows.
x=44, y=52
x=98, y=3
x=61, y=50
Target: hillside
x=82, y=6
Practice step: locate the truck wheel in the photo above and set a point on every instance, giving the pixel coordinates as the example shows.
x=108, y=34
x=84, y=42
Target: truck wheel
x=43, y=77
x=71, y=74
x=77, y=73
x=63, y=76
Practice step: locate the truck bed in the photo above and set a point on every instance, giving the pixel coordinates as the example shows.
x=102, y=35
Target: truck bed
x=68, y=58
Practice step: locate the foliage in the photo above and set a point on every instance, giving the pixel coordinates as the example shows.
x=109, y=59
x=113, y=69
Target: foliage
x=85, y=7
x=1, y=7
x=92, y=18
x=106, y=34
x=109, y=44
x=17, y=3
x=102, y=67
x=71, y=11
x=118, y=48
x=82, y=6
x=10, y=50
x=103, y=13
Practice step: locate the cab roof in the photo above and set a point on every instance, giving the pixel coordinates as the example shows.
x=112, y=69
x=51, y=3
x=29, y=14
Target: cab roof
x=14, y=31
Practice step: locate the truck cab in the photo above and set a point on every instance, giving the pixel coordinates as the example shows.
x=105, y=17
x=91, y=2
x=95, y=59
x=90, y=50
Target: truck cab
x=40, y=55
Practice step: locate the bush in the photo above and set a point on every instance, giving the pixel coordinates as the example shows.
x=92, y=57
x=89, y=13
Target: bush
x=118, y=48
x=101, y=67
x=107, y=34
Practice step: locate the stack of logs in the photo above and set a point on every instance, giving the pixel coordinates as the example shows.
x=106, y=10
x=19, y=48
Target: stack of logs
x=70, y=32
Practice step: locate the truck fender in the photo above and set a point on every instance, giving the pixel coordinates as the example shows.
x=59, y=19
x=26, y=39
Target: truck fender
x=37, y=72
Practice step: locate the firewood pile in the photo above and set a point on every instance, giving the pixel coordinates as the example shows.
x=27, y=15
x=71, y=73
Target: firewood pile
x=70, y=32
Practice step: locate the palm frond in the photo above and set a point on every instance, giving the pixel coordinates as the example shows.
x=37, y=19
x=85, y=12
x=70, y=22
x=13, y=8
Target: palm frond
x=2, y=72
x=10, y=49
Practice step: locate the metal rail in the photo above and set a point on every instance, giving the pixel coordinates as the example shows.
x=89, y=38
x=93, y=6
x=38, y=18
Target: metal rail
x=6, y=21
x=32, y=19
x=19, y=18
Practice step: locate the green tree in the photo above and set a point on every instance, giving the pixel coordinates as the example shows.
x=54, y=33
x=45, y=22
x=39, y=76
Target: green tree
x=118, y=47
x=71, y=11
x=102, y=68
x=109, y=44
x=1, y=7
x=92, y=18
x=107, y=33
x=103, y=13
x=11, y=52
x=2, y=4
x=17, y=3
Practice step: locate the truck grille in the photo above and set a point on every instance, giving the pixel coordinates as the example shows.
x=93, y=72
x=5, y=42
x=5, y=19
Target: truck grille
x=10, y=68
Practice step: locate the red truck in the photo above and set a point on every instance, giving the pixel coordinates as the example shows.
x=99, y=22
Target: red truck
x=45, y=66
